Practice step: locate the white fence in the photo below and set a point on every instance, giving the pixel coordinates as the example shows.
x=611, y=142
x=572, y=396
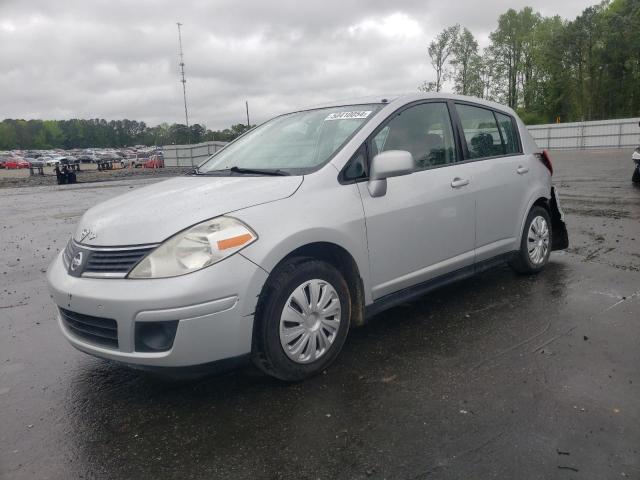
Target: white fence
x=583, y=135
x=189, y=155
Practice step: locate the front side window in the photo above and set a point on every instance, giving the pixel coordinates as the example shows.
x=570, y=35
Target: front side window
x=480, y=132
x=424, y=130
x=295, y=143
x=357, y=166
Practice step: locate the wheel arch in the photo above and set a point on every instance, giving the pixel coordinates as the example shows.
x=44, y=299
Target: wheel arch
x=540, y=196
x=559, y=236
x=340, y=258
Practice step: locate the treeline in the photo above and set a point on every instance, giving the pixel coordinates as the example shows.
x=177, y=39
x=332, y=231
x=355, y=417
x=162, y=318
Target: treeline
x=100, y=133
x=546, y=67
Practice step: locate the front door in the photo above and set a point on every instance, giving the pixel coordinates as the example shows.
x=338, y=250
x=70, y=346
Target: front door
x=424, y=225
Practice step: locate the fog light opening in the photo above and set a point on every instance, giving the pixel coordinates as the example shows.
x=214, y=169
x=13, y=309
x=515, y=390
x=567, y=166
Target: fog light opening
x=155, y=336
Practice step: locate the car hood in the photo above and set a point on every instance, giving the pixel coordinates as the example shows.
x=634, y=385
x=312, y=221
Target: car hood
x=154, y=213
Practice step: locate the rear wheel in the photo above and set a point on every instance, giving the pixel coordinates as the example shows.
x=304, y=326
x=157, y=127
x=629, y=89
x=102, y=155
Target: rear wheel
x=302, y=319
x=535, y=245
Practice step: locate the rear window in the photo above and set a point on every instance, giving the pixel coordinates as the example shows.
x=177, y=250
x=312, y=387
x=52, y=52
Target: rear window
x=486, y=137
x=508, y=130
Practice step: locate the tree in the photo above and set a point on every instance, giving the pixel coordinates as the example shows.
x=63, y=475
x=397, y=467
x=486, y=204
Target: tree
x=197, y=133
x=550, y=96
x=492, y=77
x=507, y=44
x=439, y=51
x=465, y=63
x=427, y=87
x=8, y=137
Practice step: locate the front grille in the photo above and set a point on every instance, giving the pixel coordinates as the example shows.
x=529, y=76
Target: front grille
x=114, y=261
x=96, y=330
x=102, y=261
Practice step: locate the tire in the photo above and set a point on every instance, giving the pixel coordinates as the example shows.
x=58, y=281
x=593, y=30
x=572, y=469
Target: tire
x=636, y=175
x=280, y=318
x=527, y=263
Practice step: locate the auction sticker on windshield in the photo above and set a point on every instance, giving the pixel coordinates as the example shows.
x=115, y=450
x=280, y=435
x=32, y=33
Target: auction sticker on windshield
x=348, y=115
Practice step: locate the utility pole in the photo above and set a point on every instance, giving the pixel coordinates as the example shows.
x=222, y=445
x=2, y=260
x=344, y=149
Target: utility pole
x=184, y=82
x=247, y=105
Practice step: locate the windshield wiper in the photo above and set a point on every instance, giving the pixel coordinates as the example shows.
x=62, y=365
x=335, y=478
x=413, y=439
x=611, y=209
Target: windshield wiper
x=258, y=171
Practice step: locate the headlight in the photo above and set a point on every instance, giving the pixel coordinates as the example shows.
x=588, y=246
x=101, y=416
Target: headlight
x=195, y=248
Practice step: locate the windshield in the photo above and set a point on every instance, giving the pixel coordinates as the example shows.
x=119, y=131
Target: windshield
x=295, y=143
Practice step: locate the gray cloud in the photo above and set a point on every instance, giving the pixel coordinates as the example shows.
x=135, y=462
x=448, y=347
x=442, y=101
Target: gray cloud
x=118, y=59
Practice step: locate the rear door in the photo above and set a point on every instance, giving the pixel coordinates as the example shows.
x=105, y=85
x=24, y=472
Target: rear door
x=424, y=226
x=501, y=176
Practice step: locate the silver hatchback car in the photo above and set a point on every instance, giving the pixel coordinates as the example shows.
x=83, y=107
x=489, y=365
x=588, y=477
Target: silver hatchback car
x=303, y=227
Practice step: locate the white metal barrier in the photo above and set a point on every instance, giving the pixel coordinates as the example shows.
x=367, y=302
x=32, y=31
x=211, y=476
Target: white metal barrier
x=189, y=155
x=582, y=135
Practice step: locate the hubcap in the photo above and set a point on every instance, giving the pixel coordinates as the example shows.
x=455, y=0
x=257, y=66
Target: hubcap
x=310, y=321
x=538, y=240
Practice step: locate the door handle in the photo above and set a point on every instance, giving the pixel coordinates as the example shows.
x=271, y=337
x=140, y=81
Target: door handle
x=522, y=170
x=459, y=182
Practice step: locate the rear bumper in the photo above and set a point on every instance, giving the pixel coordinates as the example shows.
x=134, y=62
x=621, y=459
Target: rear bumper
x=214, y=308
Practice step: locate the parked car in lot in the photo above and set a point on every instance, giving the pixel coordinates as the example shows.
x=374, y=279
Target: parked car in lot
x=88, y=158
x=13, y=163
x=304, y=227
x=155, y=161
x=35, y=162
x=133, y=162
x=53, y=161
x=69, y=160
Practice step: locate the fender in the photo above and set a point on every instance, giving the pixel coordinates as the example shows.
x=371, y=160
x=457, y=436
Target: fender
x=303, y=222
x=559, y=230
x=535, y=196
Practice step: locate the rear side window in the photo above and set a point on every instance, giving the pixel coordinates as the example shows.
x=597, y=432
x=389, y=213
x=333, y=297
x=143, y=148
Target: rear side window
x=508, y=131
x=424, y=130
x=480, y=131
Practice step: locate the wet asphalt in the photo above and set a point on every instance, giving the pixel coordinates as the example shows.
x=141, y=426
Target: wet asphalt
x=499, y=376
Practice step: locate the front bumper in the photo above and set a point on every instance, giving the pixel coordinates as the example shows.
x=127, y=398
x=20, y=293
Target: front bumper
x=214, y=308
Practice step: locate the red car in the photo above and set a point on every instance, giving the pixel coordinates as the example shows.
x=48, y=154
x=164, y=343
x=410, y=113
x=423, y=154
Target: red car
x=15, y=163
x=154, y=162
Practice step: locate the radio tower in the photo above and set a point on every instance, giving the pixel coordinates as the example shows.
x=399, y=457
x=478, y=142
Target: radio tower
x=183, y=80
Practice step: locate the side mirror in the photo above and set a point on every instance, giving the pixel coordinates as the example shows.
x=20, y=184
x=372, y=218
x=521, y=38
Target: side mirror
x=392, y=163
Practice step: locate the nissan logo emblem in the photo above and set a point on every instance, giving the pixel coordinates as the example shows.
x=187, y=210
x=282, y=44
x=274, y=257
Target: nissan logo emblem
x=76, y=262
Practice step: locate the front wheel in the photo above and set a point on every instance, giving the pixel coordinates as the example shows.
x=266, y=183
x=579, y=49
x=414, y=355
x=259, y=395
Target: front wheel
x=302, y=319
x=636, y=175
x=535, y=245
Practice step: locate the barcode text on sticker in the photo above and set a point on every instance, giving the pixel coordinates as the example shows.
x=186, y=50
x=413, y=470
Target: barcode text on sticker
x=348, y=115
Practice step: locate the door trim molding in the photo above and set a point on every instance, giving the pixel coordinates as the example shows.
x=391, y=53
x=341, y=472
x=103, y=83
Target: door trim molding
x=420, y=289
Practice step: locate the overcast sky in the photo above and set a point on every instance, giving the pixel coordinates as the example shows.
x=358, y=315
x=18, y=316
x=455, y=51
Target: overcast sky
x=118, y=59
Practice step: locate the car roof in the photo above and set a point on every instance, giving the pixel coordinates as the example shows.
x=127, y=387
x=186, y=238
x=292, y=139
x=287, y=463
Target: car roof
x=403, y=99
